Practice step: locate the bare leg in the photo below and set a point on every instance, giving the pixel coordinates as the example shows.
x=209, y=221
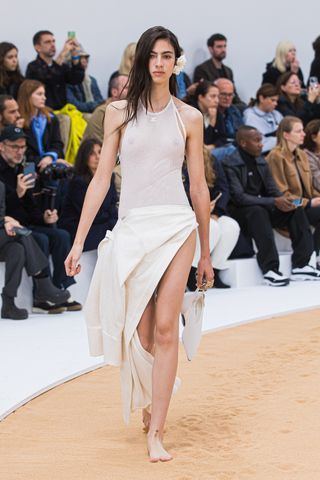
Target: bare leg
x=146, y=335
x=167, y=310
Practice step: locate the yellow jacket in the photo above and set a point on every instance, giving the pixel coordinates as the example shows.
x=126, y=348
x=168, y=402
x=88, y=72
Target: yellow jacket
x=78, y=126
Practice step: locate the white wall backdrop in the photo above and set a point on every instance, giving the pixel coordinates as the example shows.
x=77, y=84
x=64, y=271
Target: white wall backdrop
x=104, y=28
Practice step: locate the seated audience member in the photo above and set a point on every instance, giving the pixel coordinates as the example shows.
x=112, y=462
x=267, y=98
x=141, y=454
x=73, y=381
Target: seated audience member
x=119, y=91
x=44, y=144
x=258, y=206
x=125, y=64
x=20, y=205
x=18, y=251
x=263, y=116
x=285, y=61
x=214, y=68
x=290, y=100
x=291, y=172
x=229, y=119
x=315, y=65
x=85, y=96
x=206, y=99
x=85, y=166
x=9, y=112
x=312, y=149
x=223, y=230
x=10, y=75
x=54, y=74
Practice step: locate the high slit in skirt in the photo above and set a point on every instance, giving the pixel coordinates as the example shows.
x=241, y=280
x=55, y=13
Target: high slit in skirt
x=131, y=261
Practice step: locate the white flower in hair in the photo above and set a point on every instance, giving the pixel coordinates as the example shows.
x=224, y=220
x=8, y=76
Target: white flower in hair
x=180, y=64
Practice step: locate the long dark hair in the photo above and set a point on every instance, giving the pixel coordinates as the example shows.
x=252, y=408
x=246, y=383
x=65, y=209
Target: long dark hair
x=139, y=82
x=312, y=128
x=81, y=162
x=5, y=78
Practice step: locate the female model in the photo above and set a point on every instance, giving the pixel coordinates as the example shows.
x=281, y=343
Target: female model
x=138, y=285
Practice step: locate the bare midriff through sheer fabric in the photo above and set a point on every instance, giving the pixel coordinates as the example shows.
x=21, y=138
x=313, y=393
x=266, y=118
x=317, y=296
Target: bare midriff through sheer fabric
x=151, y=158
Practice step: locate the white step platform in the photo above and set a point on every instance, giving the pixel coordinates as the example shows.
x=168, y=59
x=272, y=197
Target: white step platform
x=47, y=350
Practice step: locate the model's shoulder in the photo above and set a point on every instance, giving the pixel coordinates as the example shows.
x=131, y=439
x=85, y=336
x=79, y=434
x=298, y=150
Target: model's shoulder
x=187, y=111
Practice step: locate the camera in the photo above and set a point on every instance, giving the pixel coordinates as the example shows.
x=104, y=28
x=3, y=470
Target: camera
x=56, y=171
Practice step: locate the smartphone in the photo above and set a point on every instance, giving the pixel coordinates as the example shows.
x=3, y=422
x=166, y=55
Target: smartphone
x=297, y=202
x=30, y=167
x=23, y=231
x=313, y=82
x=216, y=197
x=71, y=35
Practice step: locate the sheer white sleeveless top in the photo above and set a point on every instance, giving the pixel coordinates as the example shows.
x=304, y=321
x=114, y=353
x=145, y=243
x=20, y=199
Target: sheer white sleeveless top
x=151, y=158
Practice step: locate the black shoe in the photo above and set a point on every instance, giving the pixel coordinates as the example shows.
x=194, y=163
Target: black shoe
x=11, y=311
x=45, y=292
x=192, y=280
x=47, y=307
x=218, y=283
x=71, y=305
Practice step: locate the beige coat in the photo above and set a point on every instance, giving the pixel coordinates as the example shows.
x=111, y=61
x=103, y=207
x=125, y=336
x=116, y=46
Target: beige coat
x=131, y=261
x=286, y=176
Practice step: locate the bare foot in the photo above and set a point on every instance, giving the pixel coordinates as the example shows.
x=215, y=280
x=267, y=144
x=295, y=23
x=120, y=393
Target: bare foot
x=155, y=448
x=146, y=419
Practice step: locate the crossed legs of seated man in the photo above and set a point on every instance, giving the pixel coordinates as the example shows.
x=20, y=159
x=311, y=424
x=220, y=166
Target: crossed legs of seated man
x=56, y=242
x=18, y=252
x=259, y=221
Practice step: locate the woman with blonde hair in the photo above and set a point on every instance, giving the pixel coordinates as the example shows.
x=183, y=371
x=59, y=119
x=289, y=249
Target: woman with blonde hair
x=285, y=61
x=126, y=63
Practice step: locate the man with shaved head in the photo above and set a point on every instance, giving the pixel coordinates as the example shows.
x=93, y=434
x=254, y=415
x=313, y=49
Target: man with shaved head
x=258, y=206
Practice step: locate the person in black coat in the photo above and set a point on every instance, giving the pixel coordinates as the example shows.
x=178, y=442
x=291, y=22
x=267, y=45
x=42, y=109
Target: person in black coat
x=315, y=65
x=86, y=163
x=55, y=74
x=292, y=103
x=10, y=75
x=285, y=61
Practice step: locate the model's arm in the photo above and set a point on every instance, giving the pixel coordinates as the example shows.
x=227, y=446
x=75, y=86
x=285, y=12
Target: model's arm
x=98, y=186
x=199, y=192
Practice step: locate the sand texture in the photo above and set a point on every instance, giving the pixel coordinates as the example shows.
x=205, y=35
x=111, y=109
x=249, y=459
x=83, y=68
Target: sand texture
x=248, y=409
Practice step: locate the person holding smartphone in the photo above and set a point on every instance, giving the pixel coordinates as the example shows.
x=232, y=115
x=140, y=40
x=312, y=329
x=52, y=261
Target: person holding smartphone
x=55, y=74
x=291, y=171
x=21, y=205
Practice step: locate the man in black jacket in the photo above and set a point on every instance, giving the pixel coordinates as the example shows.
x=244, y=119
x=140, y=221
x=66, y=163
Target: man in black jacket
x=214, y=68
x=258, y=206
x=18, y=249
x=55, y=74
x=21, y=205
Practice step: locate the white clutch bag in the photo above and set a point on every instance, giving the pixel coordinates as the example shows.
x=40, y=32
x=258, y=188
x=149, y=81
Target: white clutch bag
x=192, y=315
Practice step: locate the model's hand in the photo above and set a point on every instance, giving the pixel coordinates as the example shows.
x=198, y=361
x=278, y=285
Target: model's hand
x=204, y=272
x=283, y=204
x=50, y=216
x=71, y=263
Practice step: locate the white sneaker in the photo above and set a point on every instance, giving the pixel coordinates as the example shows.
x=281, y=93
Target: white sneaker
x=305, y=273
x=275, y=279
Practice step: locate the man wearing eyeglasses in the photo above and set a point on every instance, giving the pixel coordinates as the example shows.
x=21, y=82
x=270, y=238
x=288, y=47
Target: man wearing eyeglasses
x=20, y=205
x=228, y=121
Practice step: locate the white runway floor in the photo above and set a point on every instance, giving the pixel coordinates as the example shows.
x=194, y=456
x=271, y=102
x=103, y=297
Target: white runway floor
x=47, y=350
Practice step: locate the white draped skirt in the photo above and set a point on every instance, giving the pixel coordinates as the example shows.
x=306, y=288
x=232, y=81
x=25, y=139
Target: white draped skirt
x=131, y=261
